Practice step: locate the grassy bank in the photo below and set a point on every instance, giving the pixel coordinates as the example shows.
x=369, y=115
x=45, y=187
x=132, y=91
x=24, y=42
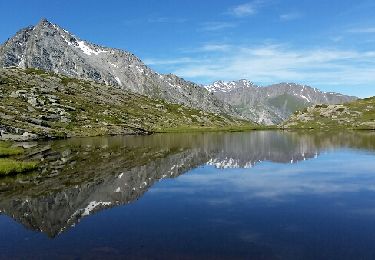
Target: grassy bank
x=10, y=165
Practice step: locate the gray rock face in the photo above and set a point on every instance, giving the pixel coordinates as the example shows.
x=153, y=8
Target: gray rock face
x=48, y=47
x=271, y=104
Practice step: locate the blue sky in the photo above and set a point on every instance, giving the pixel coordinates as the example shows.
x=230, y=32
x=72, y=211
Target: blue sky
x=328, y=44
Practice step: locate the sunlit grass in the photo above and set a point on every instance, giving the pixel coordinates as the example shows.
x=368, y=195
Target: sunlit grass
x=10, y=166
x=9, y=151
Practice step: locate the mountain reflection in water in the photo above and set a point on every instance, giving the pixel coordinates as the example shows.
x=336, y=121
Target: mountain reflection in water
x=79, y=177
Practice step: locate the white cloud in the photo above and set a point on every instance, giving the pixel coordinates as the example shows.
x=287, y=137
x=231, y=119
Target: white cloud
x=179, y=61
x=246, y=9
x=216, y=26
x=362, y=30
x=166, y=20
x=278, y=63
x=336, y=38
x=214, y=47
x=159, y=20
x=279, y=182
x=290, y=16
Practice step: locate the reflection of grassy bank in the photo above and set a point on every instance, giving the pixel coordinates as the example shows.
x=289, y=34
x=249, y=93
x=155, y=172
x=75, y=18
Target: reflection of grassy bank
x=12, y=166
x=189, y=129
x=9, y=166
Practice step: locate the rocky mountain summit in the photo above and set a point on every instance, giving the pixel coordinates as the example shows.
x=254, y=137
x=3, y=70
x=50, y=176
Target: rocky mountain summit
x=51, y=48
x=271, y=104
x=359, y=114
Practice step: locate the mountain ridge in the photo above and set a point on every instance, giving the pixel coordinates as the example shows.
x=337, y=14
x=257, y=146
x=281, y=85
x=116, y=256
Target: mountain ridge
x=49, y=47
x=274, y=103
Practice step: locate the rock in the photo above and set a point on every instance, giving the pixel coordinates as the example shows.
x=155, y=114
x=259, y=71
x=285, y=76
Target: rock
x=29, y=136
x=24, y=137
x=30, y=109
x=368, y=125
x=51, y=117
x=35, y=121
x=64, y=119
x=33, y=101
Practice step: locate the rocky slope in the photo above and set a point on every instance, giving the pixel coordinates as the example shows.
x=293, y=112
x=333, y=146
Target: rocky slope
x=35, y=104
x=359, y=114
x=271, y=104
x=49, y=47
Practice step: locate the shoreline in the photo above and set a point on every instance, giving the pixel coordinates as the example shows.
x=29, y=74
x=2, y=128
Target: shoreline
x=28, y=137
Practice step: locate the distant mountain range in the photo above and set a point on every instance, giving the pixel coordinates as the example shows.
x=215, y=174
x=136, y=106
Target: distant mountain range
x=271, y=104
x=51, y=48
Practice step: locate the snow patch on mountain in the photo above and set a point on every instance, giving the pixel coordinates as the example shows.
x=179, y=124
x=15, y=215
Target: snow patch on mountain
x=88, y=50
x=223, y=86
x=92, y=205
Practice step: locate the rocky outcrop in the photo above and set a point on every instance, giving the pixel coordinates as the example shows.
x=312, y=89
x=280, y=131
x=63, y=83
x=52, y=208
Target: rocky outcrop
x=359, y=114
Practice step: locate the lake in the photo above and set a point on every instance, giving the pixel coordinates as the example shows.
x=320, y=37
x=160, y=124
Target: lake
x=254, y=195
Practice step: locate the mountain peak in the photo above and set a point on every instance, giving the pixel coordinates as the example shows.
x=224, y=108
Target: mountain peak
x=44, y=23
x=46, y=28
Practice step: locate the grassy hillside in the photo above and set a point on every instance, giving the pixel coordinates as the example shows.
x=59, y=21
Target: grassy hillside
x=359, y=114
x=48, y=105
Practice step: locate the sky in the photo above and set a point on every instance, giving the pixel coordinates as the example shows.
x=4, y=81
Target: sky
x=327, y=44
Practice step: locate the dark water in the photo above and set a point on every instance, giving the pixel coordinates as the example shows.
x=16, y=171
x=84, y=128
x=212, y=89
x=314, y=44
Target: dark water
x=259, y=195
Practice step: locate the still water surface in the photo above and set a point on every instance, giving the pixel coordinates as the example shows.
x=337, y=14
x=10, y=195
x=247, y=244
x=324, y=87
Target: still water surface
x=257, y=195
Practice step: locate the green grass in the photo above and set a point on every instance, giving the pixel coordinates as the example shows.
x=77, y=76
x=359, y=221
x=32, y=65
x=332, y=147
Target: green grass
x=5, y=144
x=355, y=115
x=9, y=166
x=6, y=149
x=65, y=81
x=5, y=152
